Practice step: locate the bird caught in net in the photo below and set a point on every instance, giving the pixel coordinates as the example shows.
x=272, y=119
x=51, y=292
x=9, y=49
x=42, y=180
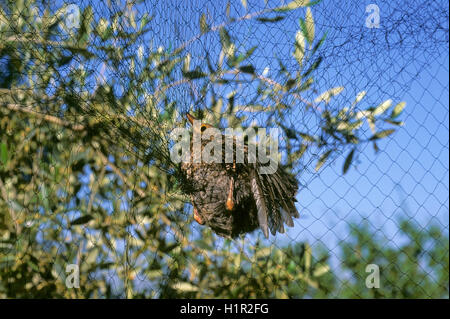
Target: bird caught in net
x=236, y=198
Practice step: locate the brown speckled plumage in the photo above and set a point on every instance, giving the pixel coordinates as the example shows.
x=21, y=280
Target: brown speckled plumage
x=260, y=200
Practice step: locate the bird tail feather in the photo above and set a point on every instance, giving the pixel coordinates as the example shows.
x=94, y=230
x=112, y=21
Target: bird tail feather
x=261, y=205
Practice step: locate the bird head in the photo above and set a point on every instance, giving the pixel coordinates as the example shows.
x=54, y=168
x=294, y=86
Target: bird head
x=202, y=127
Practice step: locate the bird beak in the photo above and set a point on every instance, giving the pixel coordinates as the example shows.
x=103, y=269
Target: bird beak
x=190, y=118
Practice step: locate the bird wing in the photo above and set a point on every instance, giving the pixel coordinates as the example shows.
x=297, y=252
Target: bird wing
x=260, y=201
x=274, y=196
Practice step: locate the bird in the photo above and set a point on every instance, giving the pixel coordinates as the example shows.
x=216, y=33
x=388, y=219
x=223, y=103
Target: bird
x=236, y=198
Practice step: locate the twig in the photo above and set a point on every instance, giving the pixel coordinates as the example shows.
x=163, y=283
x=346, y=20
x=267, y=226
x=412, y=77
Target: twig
x=41, y=41
x=46, y=117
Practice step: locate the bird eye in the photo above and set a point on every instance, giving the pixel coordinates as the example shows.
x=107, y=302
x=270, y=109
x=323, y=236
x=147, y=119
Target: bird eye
x=203, y=128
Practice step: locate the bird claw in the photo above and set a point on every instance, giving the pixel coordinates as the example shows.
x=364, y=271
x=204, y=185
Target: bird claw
x=229, y=204
x=197, y=217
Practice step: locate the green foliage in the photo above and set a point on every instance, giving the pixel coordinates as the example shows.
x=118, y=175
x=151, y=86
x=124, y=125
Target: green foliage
x=419, y=268
x=85, y=171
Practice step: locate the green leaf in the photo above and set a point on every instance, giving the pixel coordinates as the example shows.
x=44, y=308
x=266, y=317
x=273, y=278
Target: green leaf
x=7, y=261
x=227, y=10
x=326, y=96
x=33, y=266
x=323, y=159
x=312, y=3
x=82, y=220
x=292, y=267
x=44, y=197
x=322, y=270
x=398, y=123
x=187, y=63
x=6, y=246
x=303, y=28
x=185, y=287
x=306, y=84
x=224, y=38
x=228, y=47
x=319, y=44
x=85, y=28
x=247, y=69
x=314, y=66
x=375, y=147
x=289, y=84
x=270, y=20
x=309, y=23
x=398, y=109
x=299, y=52
x=3, y=153
x=102, y=28
x=203, y=245
x=348, y=161
x=154, y=274
x=250, y=52
x=300, y=152
x=247, y=54
x=290, y=133
x=382, y=134
x=307, y=137
x=65, y=60
x=359, y=97
x=383, y=107
x=371, y=122
x=349, y=126
x=308, y=255
x=145, y=20
x=263, y=252
x=196, y=74
x=203, y=24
